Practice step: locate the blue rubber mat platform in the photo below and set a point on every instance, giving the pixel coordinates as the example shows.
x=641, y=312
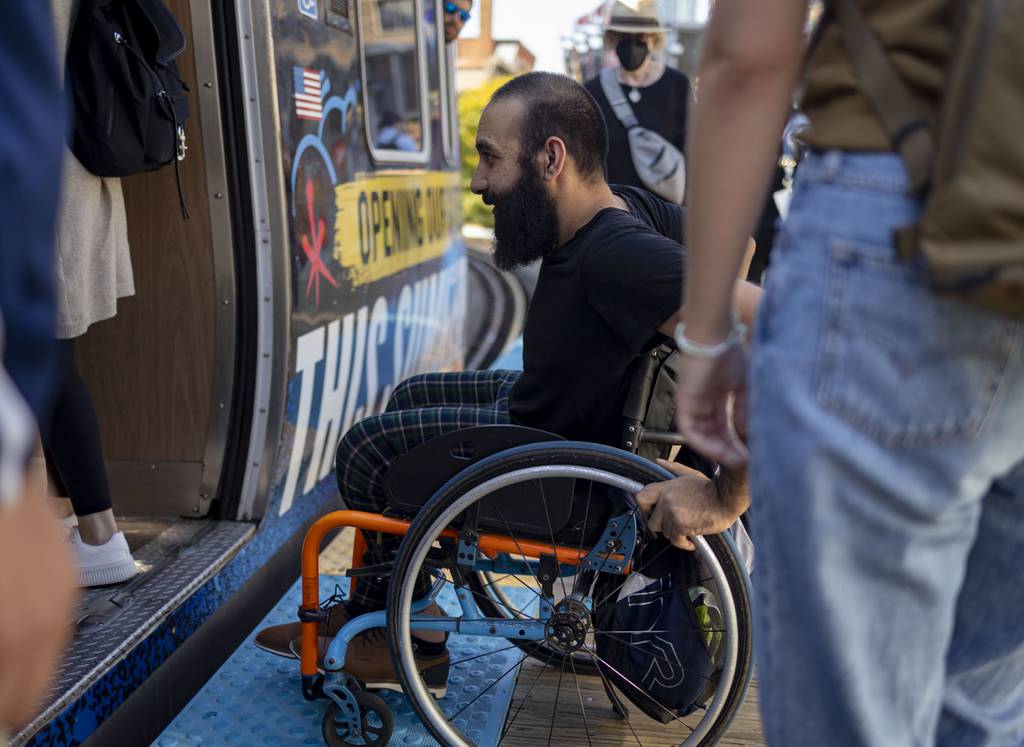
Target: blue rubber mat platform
x=256, y=699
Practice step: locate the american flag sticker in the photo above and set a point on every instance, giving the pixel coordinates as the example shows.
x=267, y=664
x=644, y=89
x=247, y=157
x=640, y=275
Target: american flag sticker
x=309, y=93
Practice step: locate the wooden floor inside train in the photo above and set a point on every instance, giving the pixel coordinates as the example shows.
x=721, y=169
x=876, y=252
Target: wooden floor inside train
x=540, y=687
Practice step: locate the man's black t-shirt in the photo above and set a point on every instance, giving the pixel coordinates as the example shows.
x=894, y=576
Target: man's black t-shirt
x=599, y=301
x=662, y=107
x=666, y=218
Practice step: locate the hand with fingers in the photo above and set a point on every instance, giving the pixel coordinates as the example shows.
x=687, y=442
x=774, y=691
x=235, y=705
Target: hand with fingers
x=693, y=504
x=711, y=405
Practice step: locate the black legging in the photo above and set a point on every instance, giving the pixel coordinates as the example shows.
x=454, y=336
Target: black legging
x=71, y=442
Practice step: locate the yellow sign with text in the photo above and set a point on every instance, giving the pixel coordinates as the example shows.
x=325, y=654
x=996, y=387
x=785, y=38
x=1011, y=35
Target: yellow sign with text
x=389, y=222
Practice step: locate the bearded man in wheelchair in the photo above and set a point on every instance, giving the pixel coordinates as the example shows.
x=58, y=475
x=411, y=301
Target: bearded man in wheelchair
x=606, y=303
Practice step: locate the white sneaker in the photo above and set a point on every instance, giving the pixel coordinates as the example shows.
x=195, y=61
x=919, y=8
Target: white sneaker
x=109, y=563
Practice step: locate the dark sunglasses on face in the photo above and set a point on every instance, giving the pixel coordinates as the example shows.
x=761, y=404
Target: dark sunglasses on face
x=451, y=8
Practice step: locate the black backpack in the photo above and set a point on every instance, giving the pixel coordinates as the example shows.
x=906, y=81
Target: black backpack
x=657, y=642
x=129, y=102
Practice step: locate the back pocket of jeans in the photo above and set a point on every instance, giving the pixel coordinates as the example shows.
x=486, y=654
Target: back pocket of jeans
x=899, y=364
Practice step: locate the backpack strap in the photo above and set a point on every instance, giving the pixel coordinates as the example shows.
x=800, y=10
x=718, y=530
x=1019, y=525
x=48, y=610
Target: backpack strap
x=178, y=156
x=613, y=92
x=889, y=97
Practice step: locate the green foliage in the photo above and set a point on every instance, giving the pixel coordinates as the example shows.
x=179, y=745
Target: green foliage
x=471, y=105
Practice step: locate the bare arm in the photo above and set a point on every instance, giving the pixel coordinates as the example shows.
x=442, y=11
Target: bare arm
x=750, y=63
x=746, y=297
x=749, y=68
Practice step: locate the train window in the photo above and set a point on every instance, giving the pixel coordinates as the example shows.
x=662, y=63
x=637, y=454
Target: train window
x=394, y=91
x=433, y=36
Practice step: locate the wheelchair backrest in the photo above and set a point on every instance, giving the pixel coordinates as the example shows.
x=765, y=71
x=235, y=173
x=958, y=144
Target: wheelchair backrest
x=650, y=404
x=649, y=414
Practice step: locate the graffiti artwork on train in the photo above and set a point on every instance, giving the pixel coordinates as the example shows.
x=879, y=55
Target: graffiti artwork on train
x=314, y=162
x=346, y=369
x=313, y=246
x=392, y=222
x=378, y=274
x=385, y=222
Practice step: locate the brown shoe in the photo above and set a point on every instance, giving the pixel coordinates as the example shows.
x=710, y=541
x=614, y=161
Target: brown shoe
x=369, y=660
x=277, y=639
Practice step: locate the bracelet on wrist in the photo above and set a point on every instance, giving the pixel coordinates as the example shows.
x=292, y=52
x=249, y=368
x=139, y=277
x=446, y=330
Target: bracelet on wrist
x=700, y=350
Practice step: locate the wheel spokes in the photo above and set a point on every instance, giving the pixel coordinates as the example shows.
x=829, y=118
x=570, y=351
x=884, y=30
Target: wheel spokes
x=579, y=693
x=569, y=633
x=536, y=679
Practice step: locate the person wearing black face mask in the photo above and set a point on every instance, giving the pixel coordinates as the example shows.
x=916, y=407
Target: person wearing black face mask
x=632, y=51
x=659, y=95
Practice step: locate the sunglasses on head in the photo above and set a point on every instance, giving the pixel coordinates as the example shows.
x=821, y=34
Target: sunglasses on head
x=451, y=8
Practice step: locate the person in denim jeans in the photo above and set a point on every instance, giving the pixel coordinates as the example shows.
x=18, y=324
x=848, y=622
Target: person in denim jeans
x=886, y=425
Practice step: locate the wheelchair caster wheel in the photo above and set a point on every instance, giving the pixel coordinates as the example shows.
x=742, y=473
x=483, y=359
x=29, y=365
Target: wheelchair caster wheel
x=376, y=722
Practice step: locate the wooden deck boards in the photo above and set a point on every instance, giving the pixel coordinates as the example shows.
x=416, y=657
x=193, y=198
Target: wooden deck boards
x=539, y=686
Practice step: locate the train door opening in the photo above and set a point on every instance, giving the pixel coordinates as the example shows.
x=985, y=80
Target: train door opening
x=160, y=372
x=161, y=375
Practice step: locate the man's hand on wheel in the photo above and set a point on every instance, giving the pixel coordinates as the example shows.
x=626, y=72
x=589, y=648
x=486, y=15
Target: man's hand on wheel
x=692, y=504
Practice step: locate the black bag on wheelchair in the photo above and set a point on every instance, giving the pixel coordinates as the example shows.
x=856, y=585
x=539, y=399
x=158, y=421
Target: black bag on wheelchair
x=657, y=635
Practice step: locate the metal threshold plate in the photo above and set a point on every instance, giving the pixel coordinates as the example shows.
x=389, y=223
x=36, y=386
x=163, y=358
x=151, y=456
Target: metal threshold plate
x=113, y=620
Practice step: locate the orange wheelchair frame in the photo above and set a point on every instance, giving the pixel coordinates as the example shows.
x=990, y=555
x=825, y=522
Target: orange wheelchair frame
x=492, y=544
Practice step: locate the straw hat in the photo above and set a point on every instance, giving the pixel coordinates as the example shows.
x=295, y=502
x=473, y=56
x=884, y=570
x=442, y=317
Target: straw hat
x=634, y=17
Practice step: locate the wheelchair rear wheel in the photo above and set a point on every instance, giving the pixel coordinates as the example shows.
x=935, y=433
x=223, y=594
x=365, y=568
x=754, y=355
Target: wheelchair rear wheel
x=564, y=634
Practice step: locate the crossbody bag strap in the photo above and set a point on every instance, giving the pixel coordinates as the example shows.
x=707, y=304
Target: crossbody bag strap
x=889, y=97
x=613, y=92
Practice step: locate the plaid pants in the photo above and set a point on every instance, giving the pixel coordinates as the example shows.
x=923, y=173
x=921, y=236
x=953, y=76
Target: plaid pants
x=421, y=408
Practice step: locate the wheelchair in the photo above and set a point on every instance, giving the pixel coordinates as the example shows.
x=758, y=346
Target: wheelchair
x=528, y=537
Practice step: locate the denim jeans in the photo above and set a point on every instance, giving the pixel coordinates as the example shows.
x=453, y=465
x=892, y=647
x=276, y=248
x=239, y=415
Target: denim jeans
x=887, y=467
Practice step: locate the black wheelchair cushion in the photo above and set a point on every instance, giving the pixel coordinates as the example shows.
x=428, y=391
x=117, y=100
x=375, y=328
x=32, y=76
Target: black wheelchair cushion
x=524, y=508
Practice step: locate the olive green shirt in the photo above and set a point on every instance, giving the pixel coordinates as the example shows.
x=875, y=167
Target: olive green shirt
x=918, y=38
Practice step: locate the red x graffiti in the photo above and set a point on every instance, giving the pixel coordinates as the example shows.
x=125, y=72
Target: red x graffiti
x=317, y=268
